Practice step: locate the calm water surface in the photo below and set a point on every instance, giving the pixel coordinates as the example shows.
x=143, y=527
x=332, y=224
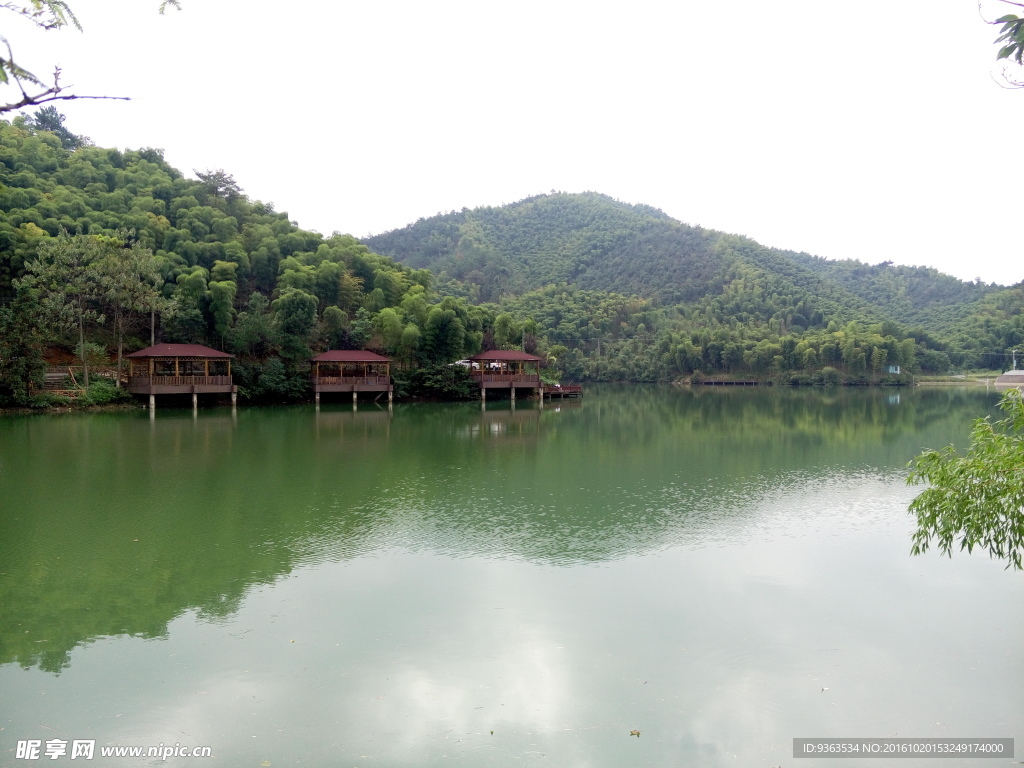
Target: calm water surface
x=721, y=570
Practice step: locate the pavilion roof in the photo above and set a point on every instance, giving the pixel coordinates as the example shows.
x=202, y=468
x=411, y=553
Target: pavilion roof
x=506, y=354
x=350, y=356
x=179, y=350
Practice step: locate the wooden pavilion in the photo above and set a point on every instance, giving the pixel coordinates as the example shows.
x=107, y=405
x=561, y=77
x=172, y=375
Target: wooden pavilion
x=506, y=369
x=180, y=369
x=351, y=370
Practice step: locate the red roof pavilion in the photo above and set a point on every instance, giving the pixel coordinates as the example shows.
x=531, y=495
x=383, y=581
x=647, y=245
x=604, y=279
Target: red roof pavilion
x=180, y=369
x=351, y=370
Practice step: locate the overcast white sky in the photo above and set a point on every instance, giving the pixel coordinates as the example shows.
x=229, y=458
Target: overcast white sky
x=870, y=130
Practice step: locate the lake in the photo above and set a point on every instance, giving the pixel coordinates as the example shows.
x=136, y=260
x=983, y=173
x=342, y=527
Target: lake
x=720, y=569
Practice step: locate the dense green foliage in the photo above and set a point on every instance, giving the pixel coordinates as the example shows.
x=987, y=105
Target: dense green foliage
x=119, y=249
x=116, y=241
x=623, y=292
x=977, y=498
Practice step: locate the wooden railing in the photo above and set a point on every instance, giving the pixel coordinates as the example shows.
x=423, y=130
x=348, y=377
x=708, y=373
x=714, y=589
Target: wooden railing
x=179, y=381
x=346, y=380
x=525, y=378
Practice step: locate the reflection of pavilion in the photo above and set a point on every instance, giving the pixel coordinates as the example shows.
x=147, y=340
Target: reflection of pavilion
x=505, y=422
x=364, y=424
x=180, y=369
x=351, y=370
x=506, y=369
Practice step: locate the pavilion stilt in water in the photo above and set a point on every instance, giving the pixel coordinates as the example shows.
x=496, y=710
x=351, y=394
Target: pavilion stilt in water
x=195, y=402
x=152, y=402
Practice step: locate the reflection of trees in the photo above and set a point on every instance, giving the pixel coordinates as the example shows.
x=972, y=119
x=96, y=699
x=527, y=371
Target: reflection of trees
x=113, y=524
x=149, y=521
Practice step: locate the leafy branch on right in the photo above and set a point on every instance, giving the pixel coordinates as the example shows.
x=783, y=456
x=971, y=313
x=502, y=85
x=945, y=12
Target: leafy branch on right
x=975, y=500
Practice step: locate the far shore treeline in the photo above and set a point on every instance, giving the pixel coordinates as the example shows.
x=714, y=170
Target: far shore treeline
x=104, y=251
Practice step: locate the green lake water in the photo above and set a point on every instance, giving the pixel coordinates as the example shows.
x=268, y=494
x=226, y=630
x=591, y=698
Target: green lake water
x=722, y=569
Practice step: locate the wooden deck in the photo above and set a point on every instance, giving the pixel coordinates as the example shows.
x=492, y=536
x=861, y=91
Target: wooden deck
x=179, y=385
x=352, y=384
x=506, y=380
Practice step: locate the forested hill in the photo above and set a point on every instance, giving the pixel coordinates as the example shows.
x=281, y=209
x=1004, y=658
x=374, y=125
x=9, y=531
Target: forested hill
x=597, y=243
x=104, y=251
x=911, y=295
x=589, y=240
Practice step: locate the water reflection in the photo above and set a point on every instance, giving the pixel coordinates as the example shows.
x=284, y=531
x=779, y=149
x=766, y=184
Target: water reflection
x=116, y=524
x=363, y=586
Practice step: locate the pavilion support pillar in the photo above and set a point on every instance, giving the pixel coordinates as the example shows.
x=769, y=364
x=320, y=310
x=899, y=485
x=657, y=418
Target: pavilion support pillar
x=512, y=389
x=483, y=393
x=234, y=399
x=152, y=402
x=391, y=396
x=317, y=398
x=355, y=396
x=195, y=402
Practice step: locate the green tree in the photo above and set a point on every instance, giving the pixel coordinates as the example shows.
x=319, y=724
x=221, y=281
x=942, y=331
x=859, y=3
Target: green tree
x=253, y=335
x=976, y=499
x=21, y=347
x=389, y=324
x=222, y=301
x=335, y=325
x=65, y=273
x=49, y=119
x=129, y=284
x=445, y=335
x=295, y=315
x=410, y=342
x=186, y=319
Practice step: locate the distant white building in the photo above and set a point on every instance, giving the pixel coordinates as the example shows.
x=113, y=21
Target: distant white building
x=1011, y=379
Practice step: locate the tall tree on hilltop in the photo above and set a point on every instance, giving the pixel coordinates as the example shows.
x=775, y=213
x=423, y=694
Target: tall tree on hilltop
x=49, y=119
